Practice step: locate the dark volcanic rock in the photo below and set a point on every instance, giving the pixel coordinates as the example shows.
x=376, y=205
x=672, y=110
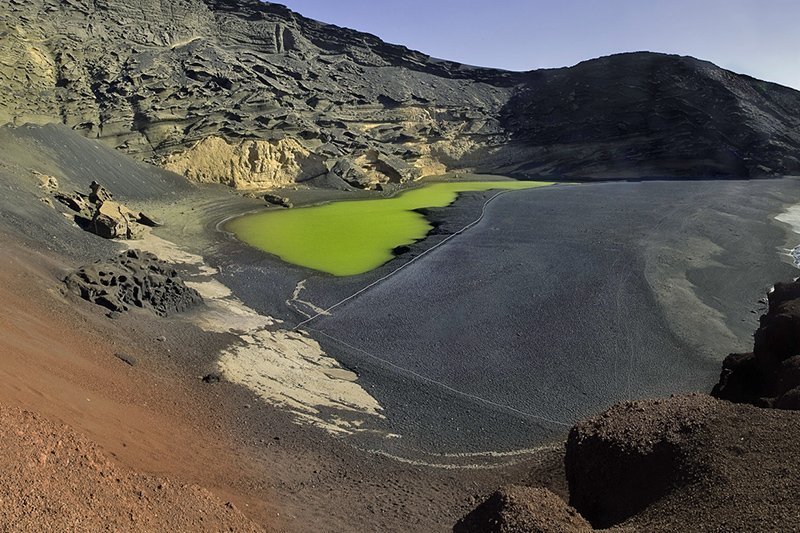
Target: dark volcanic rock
x=634, y=454
x=689, y=463
x=770, y=375
x=516, y=509
x=280, y=201
x=252, y=94
x=126, y=358
x=134, y=280
x=212, y=377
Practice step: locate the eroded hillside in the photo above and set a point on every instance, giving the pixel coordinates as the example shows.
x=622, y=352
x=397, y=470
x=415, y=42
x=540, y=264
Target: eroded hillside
x=254, y=95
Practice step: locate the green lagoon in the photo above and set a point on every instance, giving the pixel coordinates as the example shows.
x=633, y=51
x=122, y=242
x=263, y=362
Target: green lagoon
x=355, y=236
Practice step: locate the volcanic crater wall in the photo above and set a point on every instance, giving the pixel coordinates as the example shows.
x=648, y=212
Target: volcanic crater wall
x=254, y=95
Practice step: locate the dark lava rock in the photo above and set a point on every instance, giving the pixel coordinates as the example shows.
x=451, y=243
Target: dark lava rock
x=158, y=77
x=635, y=453
x=400, y=250
x=769, y=376
x=515, y=509
x=281, y=201
x=689, y=463
x=129, y=359
x=212, y=377
x=134, y=279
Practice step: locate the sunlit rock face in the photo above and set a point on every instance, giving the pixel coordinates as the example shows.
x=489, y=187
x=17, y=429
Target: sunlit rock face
x=260, y=97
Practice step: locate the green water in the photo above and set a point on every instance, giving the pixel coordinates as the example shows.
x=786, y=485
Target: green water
x=355, y=236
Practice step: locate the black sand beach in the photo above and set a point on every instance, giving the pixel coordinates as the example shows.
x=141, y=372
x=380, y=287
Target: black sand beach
x=572, y=296
x=559, y=303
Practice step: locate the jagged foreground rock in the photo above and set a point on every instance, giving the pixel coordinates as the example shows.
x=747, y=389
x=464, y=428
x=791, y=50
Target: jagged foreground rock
x=134, y=280
x=687, y=463
x=636, y=453
x=769, y=376
x=254, y=95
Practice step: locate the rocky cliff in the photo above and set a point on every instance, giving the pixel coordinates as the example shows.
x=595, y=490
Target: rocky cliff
x=254, y=95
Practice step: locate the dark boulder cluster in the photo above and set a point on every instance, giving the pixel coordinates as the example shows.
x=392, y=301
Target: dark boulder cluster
x=769, y=376
x=685, y=463
x=134, y=279
x=516, y=509
x=98, y=213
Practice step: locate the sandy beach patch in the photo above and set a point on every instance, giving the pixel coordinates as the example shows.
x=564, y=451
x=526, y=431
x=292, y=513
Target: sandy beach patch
x=290, y=369
x=283, y=367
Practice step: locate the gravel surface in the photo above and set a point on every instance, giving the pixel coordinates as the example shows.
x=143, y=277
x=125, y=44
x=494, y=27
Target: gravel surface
x=559, y=303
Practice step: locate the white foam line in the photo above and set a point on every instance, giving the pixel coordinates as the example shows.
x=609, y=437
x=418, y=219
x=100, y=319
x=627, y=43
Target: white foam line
x=401, y=267
x=446, y=466
x=445, y=386
x=295, y=299
x=791, y=217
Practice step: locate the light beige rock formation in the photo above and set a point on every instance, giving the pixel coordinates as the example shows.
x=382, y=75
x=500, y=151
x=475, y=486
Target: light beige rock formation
x=251, y=164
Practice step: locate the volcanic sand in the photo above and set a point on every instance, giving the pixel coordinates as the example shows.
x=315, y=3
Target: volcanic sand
x=158, y=423
x=353, y=237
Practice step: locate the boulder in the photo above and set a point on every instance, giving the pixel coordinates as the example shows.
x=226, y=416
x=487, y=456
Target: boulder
x=772, y=370
x=212, y=377
x=112, y=220
x=99, y=214
x=132, y=280
x=75, y=201
x=280, y=201
x=99, y=193
x=108, y=221
x=516, y=509
x=632, y=455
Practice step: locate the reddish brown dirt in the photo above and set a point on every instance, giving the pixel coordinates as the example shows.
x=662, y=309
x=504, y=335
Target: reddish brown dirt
x=57, y=361
x=56, y=480
x=159, y=419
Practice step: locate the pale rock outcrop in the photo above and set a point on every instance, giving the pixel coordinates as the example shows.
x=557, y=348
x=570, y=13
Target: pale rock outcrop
x=250, y=164
x=98, y=213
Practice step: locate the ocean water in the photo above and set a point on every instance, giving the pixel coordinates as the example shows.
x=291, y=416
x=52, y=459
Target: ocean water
x=792, y=217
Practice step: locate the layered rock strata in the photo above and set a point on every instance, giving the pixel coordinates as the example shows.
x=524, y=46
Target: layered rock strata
x=254, y=95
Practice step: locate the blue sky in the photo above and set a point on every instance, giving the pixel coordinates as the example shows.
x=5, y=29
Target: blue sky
x=760, y=38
